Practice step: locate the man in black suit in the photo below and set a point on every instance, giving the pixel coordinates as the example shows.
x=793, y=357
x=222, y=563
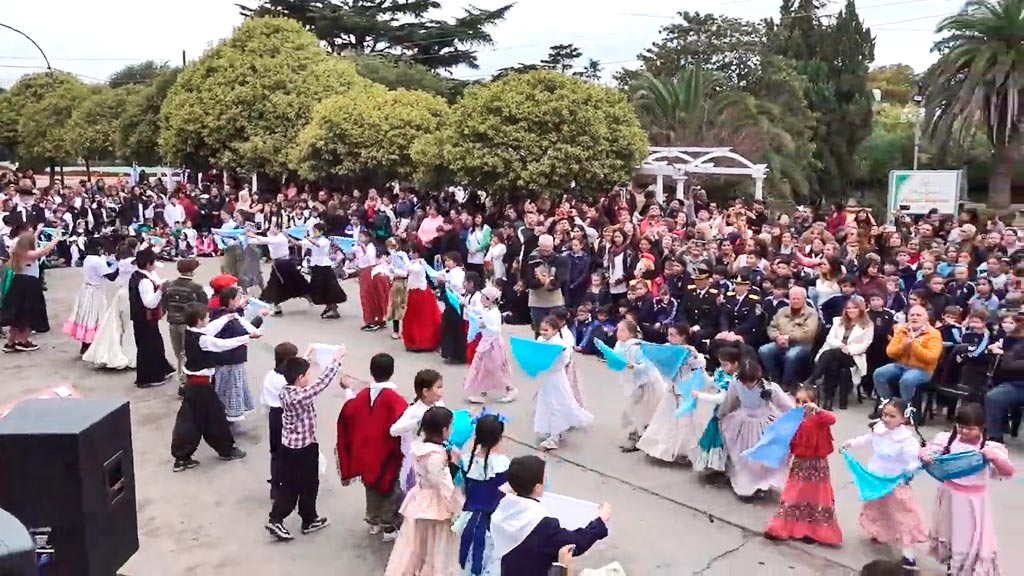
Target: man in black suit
x=26, y=211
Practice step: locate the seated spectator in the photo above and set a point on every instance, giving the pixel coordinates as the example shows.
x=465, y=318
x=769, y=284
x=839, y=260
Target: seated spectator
x=915, y=349
x=843, y=358
x=792, y=332
x=1008, y=379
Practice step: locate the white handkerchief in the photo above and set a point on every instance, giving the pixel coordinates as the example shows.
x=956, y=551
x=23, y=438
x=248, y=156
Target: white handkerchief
x=572, y=513
x=62, y=391
x=323, y=354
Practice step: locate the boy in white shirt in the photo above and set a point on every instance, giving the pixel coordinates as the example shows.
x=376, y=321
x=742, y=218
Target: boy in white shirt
x=273, y=382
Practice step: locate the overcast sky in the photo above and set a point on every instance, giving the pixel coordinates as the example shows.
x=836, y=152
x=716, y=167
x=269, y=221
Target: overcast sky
x=95, y=38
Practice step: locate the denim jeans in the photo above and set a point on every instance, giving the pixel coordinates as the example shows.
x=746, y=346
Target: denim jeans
x=909, y=379
x=998, y=403
x=782, y=363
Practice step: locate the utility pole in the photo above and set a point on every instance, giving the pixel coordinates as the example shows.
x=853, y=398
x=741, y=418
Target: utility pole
x=182, y=58
x=49, y=70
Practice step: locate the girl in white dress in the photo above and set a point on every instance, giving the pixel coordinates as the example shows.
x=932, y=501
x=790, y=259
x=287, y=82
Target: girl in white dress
x=668, y=437
x=429, y=388
x=114, y=345
x=557, y=410
x=490, y=374
x=91, y=302
x=641, y=383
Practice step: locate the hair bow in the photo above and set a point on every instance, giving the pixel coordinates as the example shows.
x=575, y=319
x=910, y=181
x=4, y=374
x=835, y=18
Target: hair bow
x=909, y=412
x=501, y=417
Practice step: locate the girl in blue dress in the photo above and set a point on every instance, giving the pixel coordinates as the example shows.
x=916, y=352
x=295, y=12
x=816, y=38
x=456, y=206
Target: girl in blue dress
x=484, y=469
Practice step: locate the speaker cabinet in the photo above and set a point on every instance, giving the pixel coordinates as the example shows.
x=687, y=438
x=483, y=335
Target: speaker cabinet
x=67, y=473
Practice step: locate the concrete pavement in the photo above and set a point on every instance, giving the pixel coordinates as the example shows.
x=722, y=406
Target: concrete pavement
x=665, y=521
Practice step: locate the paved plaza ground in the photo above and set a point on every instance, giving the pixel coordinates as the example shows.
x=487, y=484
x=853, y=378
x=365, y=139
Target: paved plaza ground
x=665, y=522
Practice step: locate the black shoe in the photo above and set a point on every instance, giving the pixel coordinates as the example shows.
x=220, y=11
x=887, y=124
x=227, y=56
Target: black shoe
x=26, y=346
x=375, y=327
x=909, y=565
x=318, y=524
x=827, y=405
x=235, y=454
x=844, y=403
x=277, y=530
x=367, y=327
x=11, y=347
x=182, y=465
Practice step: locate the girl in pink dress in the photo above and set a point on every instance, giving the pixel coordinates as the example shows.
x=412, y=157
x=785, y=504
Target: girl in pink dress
x=426, y=545
x=490, y=374
x=963, y=536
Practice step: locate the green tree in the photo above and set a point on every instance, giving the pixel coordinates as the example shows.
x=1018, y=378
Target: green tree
x=729, y=47
x=44, y=103
x=138, y=74
x=8, y=126
x=367, y=134
x=244, y=102
x=138, y=129
x=536, y=131
x=898, y=82
x=592, y=71
x=92, y=131
x=397, y=73
x=392, y=27
x=979, y=79
x=562, y=58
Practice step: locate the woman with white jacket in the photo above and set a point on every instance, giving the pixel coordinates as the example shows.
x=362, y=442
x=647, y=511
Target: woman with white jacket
x=843, y=359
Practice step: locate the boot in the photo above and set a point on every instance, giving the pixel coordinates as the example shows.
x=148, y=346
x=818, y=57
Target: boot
x=845, y=384
x=828, y=393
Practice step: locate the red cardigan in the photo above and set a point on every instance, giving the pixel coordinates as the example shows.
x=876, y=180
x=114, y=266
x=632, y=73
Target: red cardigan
x=814, y=437
x=366, y=449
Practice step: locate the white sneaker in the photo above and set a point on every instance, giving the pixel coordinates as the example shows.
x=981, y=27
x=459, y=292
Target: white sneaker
x=510, y=395
x=551, y=443
x=374, y=529
x=477, y=400
x=391, y=536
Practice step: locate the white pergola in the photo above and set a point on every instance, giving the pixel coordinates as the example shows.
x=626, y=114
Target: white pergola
x=677, y=162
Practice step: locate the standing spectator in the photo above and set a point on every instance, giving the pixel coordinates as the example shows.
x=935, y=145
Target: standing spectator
x=792, y=332
x=544, y=274
x=914, y=349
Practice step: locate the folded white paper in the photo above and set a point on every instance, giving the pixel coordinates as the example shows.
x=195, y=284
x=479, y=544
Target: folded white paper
x=572, y=513
x=323, y=354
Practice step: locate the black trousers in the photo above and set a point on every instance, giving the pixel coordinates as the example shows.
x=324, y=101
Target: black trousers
x=276, y=472
x=300, y=483
x=200, y=417
x=833, y=368
x=151, y=360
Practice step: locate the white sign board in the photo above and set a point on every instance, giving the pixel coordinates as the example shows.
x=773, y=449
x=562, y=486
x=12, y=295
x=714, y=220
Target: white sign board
x=919, y=191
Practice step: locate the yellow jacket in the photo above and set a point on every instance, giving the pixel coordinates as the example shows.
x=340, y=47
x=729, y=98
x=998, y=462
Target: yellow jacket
x=925, y=350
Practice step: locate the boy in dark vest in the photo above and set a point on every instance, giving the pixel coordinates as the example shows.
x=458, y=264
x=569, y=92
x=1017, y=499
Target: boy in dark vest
x=201, y=415
x=178, y=294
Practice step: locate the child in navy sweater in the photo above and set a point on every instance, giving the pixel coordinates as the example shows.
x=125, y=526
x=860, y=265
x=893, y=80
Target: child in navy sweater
x=525, y=538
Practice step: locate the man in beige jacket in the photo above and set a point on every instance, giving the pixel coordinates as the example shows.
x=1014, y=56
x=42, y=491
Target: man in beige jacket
x=792, y=332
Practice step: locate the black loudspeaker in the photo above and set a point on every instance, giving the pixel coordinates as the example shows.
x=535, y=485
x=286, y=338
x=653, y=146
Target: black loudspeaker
x=67, y=473
x=17, y=550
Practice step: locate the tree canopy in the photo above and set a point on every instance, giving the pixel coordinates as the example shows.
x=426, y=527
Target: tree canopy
x=137, y=74
x=138, y=129
x=92, y=130
x=367, y=133
x=244, y=102
x=537, y=131
x=391, y=27
x=43, y=104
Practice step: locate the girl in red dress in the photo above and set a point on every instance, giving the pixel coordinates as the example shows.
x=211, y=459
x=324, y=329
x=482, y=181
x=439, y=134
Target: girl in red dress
x=807, y=509
x=421, y=324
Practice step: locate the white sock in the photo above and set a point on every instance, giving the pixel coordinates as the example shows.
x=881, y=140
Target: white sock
x=908, y=553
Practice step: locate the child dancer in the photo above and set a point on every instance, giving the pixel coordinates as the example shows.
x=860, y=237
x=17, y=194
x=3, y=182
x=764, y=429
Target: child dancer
x=963, y=535
x=525, y=538
x=557, y=410
x=471, y=304
x=750, y=405
x=300, y=452
x=90, y=304
x=490, y=371
x=569, y=338
x=114, y=344
x=232, y=385
x=485, y=471
x=366, y=260
x=398, y=270
x=896, y=517
x=421, y=323
x=641, y=383
x=367, y=450
x=426, y=543
x=711, y=454
x=453, y=331
x=808, y=506
x=273, y=383
x=201, y=415
x=323, y=284
x=429, y=388
x=285, y=282
x=668, y=437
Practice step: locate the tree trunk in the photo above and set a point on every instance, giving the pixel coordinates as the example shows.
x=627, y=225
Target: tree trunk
x=88, y=171
x=53, y=171
x=1000, y=180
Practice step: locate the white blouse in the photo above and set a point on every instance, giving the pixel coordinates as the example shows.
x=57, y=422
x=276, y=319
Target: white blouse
x=454, y=279
x=417, y=276
x=896, y=451
x=366, y=256
x=319, y=251
x=94, y=268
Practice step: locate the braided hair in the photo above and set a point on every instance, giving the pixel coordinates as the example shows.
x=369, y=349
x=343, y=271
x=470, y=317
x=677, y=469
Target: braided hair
x=967, y=415
x=489, y=430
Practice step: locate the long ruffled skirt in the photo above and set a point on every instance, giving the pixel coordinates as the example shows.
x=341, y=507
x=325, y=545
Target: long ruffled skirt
x=711, y=453
x=114, y=344
x=808, y=508
x=421, y=324
x=86, y=315
x=741, y=430
x=669, y=438
x=963, y=534
x=490, y=371
x=425, y=548
x=894, y=518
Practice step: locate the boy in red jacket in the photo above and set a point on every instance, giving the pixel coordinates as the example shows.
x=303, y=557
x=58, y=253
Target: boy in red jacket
x=367, y=450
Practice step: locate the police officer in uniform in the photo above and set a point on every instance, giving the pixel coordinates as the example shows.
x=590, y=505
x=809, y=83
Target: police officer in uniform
x=701, y=309
x=742, y=319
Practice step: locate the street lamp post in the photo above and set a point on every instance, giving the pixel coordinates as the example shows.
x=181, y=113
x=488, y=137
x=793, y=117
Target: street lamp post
x=29, y=38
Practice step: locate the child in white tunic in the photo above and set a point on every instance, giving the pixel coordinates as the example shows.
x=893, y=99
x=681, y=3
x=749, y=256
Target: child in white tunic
x=429, y=388
x=641, y=383
x=668, y=437
x=557, y=410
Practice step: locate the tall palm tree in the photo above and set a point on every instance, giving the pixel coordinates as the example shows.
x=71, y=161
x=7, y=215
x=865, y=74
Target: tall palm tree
x=979, y=79
x=694, y=108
